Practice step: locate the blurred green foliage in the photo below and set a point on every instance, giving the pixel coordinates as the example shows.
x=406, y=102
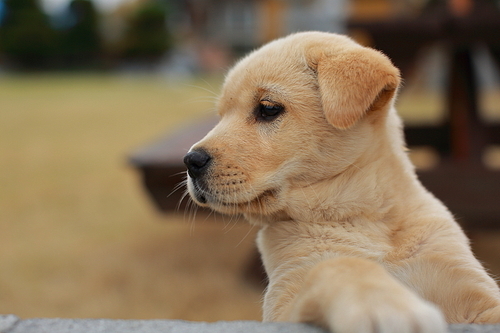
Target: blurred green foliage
x=80, y=44
x=28, y=41
x=147, y=37
x=26, y=38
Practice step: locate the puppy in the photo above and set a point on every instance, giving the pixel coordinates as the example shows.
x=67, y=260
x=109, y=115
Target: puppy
x=309, y=148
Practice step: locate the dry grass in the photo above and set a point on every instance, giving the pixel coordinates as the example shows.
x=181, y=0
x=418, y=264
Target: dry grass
x=78, y=236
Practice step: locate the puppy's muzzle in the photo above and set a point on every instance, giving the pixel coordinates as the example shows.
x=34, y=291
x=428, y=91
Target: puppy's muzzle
x=197, y=163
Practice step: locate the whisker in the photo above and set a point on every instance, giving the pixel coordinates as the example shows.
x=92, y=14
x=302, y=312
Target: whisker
x=210, y=85
x=210, y=213
x=179, y=173
x=246, y=235
x=178, y=187
x=201, y=88
x=193, y=218
x=184, y=196
x=200, y=100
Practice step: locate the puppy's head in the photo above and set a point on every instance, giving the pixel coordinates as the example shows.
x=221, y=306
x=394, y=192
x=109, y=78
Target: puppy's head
x=296, y=112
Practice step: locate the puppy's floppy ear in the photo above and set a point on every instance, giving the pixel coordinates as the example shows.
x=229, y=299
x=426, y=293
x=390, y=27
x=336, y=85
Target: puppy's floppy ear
x=353, y=81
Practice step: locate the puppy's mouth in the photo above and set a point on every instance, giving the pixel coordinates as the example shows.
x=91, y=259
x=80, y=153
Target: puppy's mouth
x=223, y=203
x=259, y=199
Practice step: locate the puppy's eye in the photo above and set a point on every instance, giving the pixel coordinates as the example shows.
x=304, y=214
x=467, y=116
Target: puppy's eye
x=268, y=112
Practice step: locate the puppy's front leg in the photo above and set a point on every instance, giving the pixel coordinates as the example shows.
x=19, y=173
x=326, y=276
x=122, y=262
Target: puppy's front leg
x=489, y=316
x=348, y=294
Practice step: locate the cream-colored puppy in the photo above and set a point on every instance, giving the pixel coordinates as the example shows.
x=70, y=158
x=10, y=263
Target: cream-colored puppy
x=309, y=147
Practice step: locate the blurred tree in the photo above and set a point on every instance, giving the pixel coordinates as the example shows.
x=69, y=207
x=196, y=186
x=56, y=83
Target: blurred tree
x=81, y=42
x=2, y=11
x=147, y=37
x=26, y=38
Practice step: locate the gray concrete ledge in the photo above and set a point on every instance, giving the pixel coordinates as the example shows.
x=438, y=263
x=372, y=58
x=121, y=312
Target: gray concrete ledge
x=12, y=324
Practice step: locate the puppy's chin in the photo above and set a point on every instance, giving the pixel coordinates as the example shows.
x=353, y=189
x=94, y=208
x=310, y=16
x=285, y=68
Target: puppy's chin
x=197, y=194
x=265, y=203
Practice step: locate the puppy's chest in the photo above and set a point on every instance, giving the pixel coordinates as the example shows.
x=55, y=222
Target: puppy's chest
x=347, y=239
x=287, y=242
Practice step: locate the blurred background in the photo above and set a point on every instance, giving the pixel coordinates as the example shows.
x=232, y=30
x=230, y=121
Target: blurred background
x=99, y=100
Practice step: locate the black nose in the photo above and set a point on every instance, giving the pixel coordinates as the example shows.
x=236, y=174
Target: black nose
x=197, y=162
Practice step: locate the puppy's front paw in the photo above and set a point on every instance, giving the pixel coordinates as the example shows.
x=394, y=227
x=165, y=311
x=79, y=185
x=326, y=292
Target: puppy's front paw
x=355, y=296
x=371, y=314
x=385, y=315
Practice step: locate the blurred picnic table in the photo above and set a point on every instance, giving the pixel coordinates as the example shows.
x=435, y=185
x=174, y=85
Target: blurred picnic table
x=460, y=180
